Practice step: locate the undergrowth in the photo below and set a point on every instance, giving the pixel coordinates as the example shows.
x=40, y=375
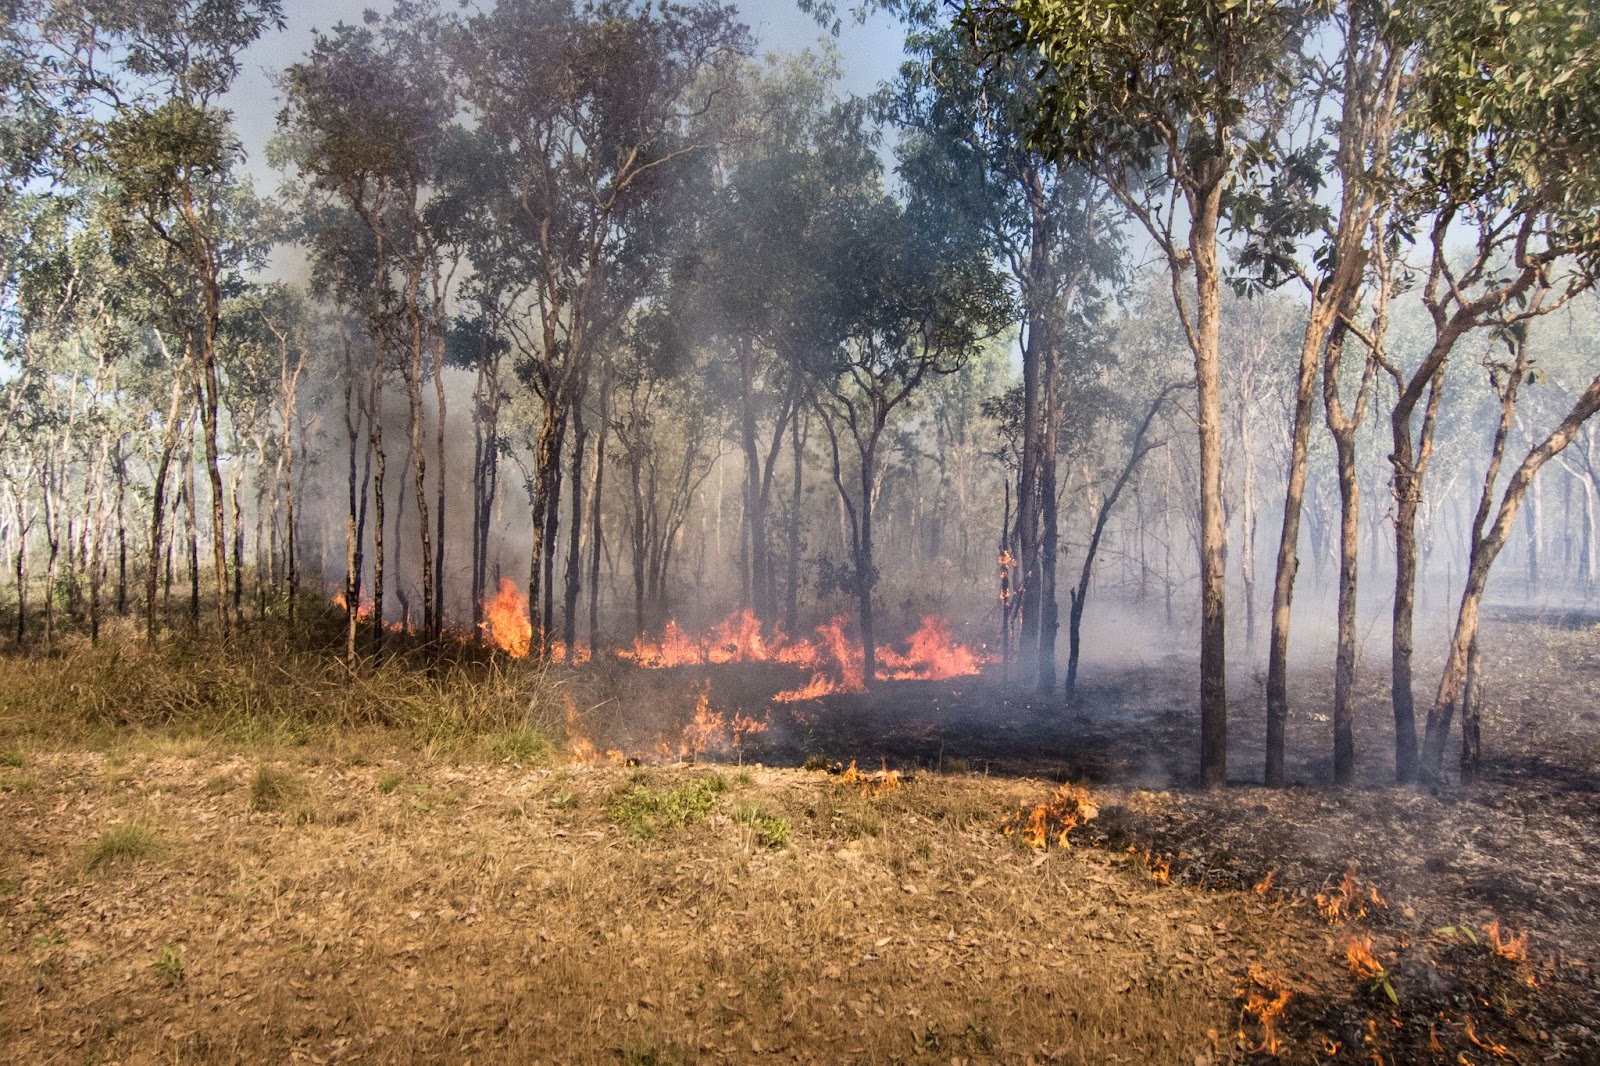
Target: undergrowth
x=277, y=685
x=645, y=811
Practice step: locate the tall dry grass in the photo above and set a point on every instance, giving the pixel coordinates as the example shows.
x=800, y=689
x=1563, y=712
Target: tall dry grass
x=275, y=683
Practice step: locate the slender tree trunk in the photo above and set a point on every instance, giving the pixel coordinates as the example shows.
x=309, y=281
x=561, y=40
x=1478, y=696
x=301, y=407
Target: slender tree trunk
x=1213, y=532
x=574, y=577
x=1049, y=545
x=442, y=477
x=595, y=530
x=791, y=600
x=1410, y=463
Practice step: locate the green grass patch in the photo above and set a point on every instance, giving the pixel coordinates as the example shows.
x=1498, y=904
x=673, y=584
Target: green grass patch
x=768, y=830
x=123, y=845
x=388, y=781
x=645, y=811
x=169, y=967
x=523, y=745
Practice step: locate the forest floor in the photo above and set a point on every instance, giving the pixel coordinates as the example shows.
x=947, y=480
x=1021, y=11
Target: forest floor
x=354, y=895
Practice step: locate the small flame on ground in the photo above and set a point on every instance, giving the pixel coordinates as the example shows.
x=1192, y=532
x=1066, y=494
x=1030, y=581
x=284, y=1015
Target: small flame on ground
x=882, y=780
x=1507, y=945
x=1066, y=809
x=1265, y=999
x=1488, y=1045
x=1348, y=900
x=1263, y=886
x=1362, y=962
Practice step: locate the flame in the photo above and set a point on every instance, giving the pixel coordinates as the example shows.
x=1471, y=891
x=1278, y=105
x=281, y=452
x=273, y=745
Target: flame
x=835, y=659
x=1362, y=962
x=1160, y=869
x=884, y=780
x=505, y=622
x=1487, y=1045
x=933, y=655
x=363, y=609
x=1066, y=809
x=1263, y=886
x=819, y=686
x=1349, y=900
x=1506, y=945
x=1265, y=1001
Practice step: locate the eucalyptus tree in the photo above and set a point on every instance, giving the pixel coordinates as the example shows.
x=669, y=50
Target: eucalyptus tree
x=367, y=119
x=1162, y=100
x=968, y=113
x=588, y=115
x=915, y=299
x=168, y=156
x=793, y=149
x=1507, y=125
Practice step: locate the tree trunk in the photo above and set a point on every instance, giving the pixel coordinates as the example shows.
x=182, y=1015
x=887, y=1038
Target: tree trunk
x=595, y=530
x=442, y=478
x=1213, y=532
x=574, y=581
x=791, y=600
x=1049, y=543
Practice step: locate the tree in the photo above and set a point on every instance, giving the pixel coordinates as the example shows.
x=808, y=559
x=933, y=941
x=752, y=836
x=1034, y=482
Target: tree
x=915, y=301
x=588, y=113
x=1508, y=131
x=168, y=152
x=1163, y=101
x=1048, y=222
x=367, y=121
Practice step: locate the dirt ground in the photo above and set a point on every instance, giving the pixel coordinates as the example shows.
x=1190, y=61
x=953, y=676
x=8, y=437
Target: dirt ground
x=172, y=900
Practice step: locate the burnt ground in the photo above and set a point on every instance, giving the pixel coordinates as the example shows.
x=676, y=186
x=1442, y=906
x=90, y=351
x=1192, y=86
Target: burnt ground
x=1521, y=847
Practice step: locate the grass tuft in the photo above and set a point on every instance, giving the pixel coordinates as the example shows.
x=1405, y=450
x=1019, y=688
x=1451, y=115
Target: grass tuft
x=388, y=781
x=645, y=811
x=272, y=789
x=123, y=845
x=767, y=829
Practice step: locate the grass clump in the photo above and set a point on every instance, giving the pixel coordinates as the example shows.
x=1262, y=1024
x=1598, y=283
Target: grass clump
x=523, y=745
x=644, y=811
x=767, y=829
x=123, y=845
x=273, y=789
x=388, y=781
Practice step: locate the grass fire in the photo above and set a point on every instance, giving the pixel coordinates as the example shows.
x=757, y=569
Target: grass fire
x=717, y=532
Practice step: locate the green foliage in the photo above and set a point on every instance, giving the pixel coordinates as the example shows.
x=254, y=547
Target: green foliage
x=768, y=830
x=388, y=781
x=645, y=811
x=169, y=967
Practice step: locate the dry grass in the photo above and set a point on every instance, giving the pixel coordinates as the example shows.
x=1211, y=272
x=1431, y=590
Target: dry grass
x=506, y=915
x=274, y=688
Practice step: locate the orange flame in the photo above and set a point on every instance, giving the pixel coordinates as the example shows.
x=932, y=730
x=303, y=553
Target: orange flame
x=884, y=780
x=363, y=609
x=1066, y=809
x=932, y=656
x=835, y=659
x=505, y=622
x=1263, y=886
x=1507, y=945
x=1349, y=900
x=1265, y=1001
x=1362, y=962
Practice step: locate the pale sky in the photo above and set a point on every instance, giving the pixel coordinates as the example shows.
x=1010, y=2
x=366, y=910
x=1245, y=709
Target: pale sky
x=869, y=54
